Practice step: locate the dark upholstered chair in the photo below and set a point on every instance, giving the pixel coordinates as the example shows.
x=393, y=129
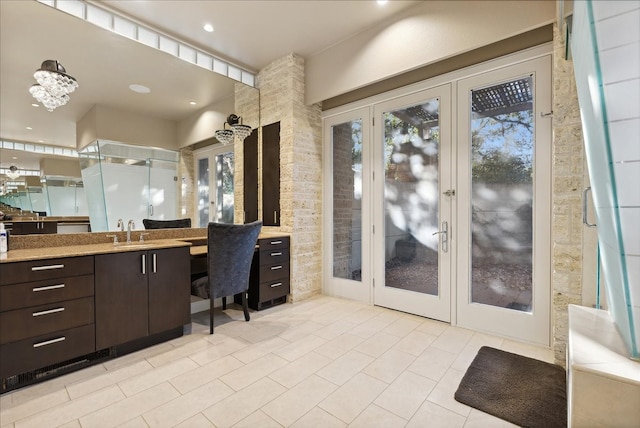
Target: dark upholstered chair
x=166, y=224
x=230, y=249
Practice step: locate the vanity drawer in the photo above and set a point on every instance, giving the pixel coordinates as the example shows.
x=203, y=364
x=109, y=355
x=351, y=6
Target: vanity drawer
x=38, y=320
x=267, y=244
x=274, y=289
x=273, y=256
x=42, y=292
x=273, y=272
x=38, y=270
x=45, y=350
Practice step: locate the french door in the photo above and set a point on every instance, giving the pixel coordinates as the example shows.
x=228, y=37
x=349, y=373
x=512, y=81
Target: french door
x=412, y=227
x=214, y=200
x=439, y=202
x=504, y=197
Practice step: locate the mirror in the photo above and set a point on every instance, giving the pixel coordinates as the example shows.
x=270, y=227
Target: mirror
x=104, y=64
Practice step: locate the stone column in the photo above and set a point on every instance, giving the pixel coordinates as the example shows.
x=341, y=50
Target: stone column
x=568, y=176
x=281, y=86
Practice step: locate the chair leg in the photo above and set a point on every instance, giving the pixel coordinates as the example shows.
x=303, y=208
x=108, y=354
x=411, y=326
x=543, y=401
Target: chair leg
x=224, y=303
x=245, y=307
x=210, y=312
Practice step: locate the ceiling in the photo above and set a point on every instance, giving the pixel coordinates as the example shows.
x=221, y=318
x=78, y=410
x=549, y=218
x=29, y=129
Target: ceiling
x=250, y=34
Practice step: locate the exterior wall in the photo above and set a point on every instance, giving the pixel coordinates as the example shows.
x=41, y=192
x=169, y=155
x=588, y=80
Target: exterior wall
x=282, y=87
x=568, y=182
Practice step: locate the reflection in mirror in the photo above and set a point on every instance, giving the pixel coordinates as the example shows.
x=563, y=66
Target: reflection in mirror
x=127, y=182
x=32, y=32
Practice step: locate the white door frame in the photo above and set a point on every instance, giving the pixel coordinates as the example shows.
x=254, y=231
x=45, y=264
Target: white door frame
x=336, y=288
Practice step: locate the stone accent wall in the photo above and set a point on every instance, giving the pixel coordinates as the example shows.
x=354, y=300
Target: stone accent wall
x=281, y=86
x=187, y=179
x=568, y=182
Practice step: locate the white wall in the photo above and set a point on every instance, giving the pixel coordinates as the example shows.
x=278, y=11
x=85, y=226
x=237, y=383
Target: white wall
x=427, y=33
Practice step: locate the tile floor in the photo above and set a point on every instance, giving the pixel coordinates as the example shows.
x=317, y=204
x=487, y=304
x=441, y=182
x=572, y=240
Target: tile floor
x=323, y=362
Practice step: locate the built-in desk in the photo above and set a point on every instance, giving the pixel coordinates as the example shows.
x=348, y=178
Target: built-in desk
x=269, y=281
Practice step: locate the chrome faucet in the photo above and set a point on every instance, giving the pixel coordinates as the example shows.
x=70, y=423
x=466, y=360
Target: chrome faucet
x=120, y=225
x=130, y=226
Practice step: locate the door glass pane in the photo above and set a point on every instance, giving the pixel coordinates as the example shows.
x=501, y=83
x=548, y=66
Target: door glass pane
x=203, y=192
x=412, y=142
x=502, y=140
x=347, y=200
x=224, y=188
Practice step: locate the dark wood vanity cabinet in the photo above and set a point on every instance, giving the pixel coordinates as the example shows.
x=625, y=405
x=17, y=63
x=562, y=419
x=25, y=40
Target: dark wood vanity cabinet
x=250, y=168
x=46, y=313
x=141, y=293
x=269, y=282
x=34, y=227
x=271, y=174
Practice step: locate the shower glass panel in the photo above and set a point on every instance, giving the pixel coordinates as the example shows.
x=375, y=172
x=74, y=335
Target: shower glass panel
x=129, y=183
x=610, y=112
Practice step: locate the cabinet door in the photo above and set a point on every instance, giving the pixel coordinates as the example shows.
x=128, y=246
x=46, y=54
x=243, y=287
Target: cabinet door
x=121, y=294
x=250, y=159
x=271, y=174
x=169, y=289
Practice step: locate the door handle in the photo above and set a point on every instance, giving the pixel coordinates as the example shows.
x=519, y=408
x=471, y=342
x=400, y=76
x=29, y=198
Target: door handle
x=585, y=193
x=445, y=236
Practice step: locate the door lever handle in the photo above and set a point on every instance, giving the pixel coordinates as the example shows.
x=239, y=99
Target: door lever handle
x=445, y=236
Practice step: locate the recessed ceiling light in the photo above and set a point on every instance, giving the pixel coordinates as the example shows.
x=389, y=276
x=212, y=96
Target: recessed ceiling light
x=192, y=103
x=141, y=89
x=29, y=128
x=14, y=157
x=208, y=28
x=35, y=105
x=381, y=2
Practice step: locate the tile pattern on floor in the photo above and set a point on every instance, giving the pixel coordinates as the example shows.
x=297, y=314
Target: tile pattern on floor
x=323, y=362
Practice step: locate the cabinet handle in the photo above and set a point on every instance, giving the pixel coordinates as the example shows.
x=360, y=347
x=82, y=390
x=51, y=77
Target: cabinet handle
x=275, y=242
x=49, y=342
x=276, y=254
x=49, y=267
x=276, y=267
x=275, y=284
x=275, y=216
x=48, y=287
x=153, y=261
x=47, y=312
x=144, y=264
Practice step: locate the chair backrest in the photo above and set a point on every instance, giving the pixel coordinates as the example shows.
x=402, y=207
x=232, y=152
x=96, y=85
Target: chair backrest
x=230, y=249
x=166, y=224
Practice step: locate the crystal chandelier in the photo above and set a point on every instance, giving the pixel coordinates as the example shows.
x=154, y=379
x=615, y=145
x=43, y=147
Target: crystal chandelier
x=13, y=172
x=226, y=136
x=54, y=85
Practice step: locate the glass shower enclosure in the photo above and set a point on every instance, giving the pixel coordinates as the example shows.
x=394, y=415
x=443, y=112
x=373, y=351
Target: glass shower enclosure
x=128, y=182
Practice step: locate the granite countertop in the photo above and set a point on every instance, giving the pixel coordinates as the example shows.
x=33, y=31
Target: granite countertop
x=87, y=250
x=50, y=246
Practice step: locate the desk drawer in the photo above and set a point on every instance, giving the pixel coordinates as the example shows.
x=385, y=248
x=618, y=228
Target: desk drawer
x=38, y=320
x=38, y=293
x=273, y=272
x=274, y=289
x=273, y=256
x=38, y=270
x=48, y=349
x=267, y=244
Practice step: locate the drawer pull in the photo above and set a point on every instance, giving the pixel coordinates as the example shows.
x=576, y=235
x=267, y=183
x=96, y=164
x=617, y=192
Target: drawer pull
x=49, y=342
x=276, y=254
x=50, y=311
x=48, y=287
x=275, y=242
x=276, y=267
x=275, y=284
x=49, y=267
